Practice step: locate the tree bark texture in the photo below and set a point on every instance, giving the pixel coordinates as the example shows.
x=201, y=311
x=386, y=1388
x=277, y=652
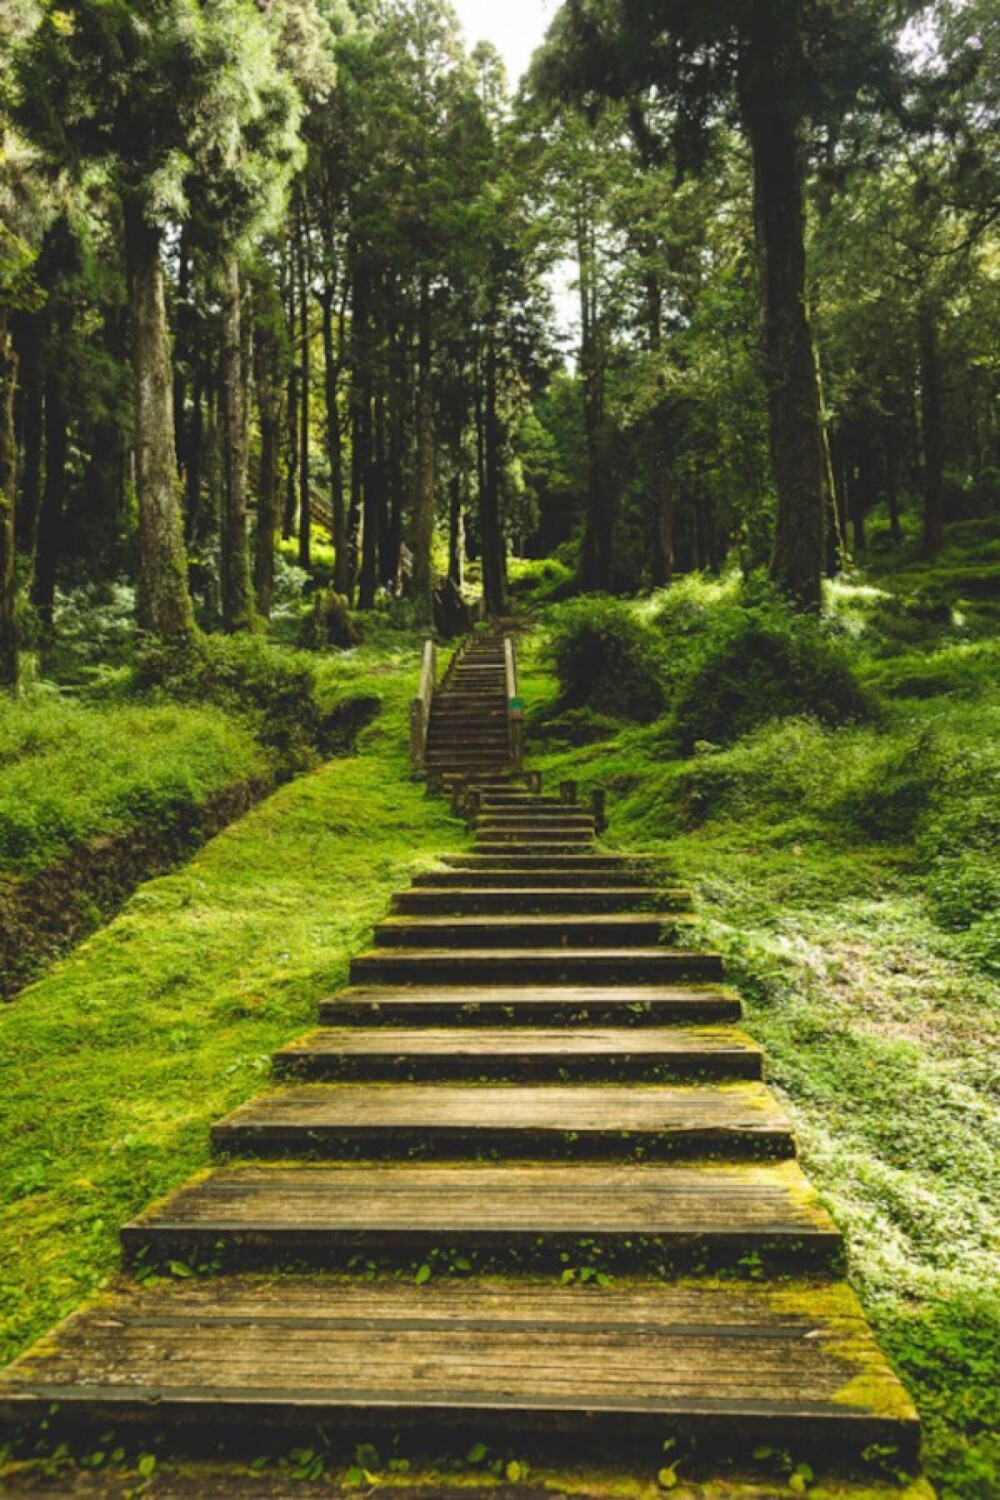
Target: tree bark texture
x=164, y=602
x=237, y=608
x=305, y=509
x=269, y=408
x=334, y=441
x=423, y=520
x=489, y=501
x=8, y=481
x=932, y=427
x=28, y=340
x=50, y=516
x=771, y=100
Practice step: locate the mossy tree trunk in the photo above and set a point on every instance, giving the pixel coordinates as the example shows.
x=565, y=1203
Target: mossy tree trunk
x=494, y=558
x=164, y=601
x=332, y=367
x=932, y=425
x=8, y=478
x=423, y=521
x=771, y=94
x=237, y=606
x=27, y=329
x=270, y=401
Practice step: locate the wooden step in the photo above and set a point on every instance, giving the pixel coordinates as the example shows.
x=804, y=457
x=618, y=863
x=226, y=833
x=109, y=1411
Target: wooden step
x=577, y=860
x=534, y=965
x=491, y=1004
x=549, y=844
x=555, y=881
x=613, y=1121
x=274, y=1213
x=729, y=1364
x=512, y=900
x=447, y=1053
x=612, y=930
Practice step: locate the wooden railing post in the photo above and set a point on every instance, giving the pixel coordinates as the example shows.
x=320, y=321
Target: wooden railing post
x=420, y=707
x=515, y=708
x=598, y=806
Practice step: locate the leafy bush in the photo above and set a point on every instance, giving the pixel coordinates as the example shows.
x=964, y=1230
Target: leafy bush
x=760, y=661
x=274, y=688
x=328, y=624
x=607, y=659
x=541, y=581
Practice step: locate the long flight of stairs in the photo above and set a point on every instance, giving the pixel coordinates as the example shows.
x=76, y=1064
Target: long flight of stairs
x=525, y=1187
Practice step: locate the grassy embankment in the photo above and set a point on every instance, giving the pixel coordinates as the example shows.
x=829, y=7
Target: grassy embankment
x=113, y=1066
x=851, y=875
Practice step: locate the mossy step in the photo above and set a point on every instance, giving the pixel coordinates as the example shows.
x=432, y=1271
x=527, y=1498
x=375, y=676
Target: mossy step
x=521, y=1054
x=472, y=900
x=490, y=1004
x=522, y=1214
x=528, y=930
x=568, y=1122
x=554, y=881
x=578, y=861
x=534, y=965
x=730, y=1364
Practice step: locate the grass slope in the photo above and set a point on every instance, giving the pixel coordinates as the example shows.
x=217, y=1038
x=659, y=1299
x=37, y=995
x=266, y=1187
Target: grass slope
x=852, y=878
x=113, y=1066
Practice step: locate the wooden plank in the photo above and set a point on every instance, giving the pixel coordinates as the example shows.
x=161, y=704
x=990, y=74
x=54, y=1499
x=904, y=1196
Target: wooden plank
x=794, y=1361
x=306, y=1209
x=518, y=1053
x=546, y=965
x=526, y=930
x=616, y=1121
x=632, y=1005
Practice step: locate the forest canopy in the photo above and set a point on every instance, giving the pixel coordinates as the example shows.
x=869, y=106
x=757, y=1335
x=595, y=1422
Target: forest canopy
x=288, y=272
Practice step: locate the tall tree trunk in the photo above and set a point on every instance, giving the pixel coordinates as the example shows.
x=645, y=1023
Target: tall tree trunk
x=395, y=483
x=334, y=440
x=8, y=482
x=195, y=444
x=598, y=534
x=423, y=520
x=305, y=508
x=237, y=608
x=164, y=601
x=456, y=530
x=269, y=401
x=50, y=518
x=666, y=511
x=28, y=339
x=292, y=431
x=771, y=99
x=932, y=426
x=368, y=578
x=892, y=482
x=489, y=501
x=182, y=352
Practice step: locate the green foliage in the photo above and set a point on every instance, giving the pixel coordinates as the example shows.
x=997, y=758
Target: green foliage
x=761, y=660
x=606, y=659
x=114, y=1065
x=70, y=771
x=273, y=688
x=328, y=623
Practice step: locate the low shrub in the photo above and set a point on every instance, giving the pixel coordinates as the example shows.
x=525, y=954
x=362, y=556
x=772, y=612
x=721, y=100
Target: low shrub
x=328, y=624
x=606, y=659
x=761, y=660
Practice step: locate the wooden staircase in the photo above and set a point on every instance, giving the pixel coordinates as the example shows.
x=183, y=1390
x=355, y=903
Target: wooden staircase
x=525, y=1187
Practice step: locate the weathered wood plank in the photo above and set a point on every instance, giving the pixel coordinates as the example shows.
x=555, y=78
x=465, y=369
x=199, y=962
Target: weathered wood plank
x=632, y=1005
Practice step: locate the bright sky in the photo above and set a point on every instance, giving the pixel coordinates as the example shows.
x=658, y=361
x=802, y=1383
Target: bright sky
x=515, y=27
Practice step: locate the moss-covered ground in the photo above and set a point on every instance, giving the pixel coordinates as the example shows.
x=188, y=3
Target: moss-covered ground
x=114, y=1065
x=851, y=875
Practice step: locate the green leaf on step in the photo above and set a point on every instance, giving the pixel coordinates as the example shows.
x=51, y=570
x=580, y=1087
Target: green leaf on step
x=514, y=1471
x=476, y=1454
x=178, y=1268
x=423, y=1275
x=146, y=1464
x=667, y=1479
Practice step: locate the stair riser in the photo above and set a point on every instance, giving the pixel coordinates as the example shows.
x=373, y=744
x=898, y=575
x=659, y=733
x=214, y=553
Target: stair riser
x=694, y=1012
x=467, y=933
x=235, y=1427
x=557, y=882
x=233, y=1247
x=514, y=968
x=509, y=903
x=736, y=1066
x=582, y=862
x=451, y=1143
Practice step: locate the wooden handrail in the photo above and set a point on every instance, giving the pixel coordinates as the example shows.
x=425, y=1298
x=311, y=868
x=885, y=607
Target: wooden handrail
x=515, y=711
x=420, y=707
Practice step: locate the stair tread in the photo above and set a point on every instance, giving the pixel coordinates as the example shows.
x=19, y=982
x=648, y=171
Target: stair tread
x=514, y=1041
x=652, y=1109
x=772, y=1198
x=313, y=1347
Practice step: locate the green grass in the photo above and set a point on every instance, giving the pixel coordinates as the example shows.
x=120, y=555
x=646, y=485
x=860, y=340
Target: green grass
x=113, y=1067
x=70, y=770
x=851, y=876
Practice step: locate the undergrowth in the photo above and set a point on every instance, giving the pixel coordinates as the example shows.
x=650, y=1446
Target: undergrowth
x=848, y=866
x=113, y=1067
